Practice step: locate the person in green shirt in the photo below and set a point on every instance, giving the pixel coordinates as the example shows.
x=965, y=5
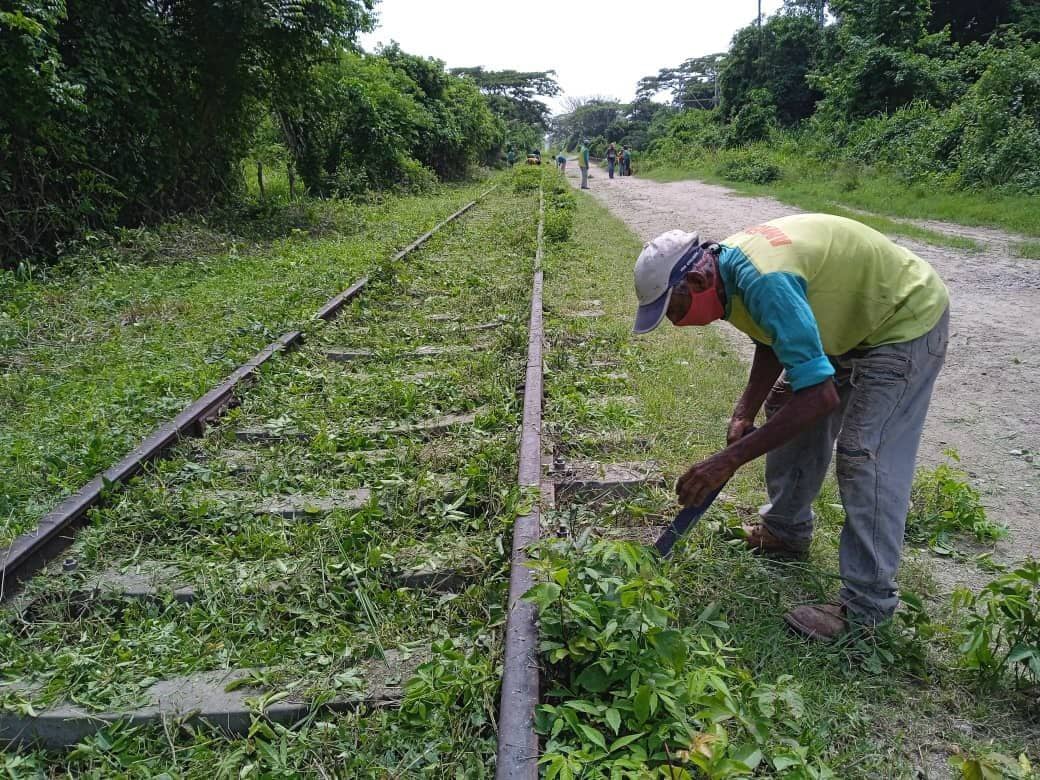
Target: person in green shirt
x=583, y=163
x=850, y=333
x=510, y=156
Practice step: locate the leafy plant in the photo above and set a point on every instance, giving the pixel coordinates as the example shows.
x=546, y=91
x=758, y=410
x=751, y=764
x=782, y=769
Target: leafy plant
x=632, y=692
x=944, y=505
x=748, y=166
x=1001, y=635
x=526, y=178
x=993, y=766
x=559, y=207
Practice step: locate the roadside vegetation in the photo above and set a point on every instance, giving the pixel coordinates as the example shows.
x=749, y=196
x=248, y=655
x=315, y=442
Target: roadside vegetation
x=117, y=117
x=911, y=109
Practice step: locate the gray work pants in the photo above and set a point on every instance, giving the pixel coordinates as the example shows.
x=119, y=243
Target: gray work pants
x=885, y=392
x=584, y=178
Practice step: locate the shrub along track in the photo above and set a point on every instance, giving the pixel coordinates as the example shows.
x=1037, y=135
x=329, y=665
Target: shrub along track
x=332, y=552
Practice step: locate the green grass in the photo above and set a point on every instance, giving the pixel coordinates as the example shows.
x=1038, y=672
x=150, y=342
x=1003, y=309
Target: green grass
x=1028, y=249
x=311, y=601
x=95, y=355
x=878, y=708
x=817, y=186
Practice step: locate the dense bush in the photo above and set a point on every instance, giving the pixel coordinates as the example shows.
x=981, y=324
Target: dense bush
x=886, y=89
x=118, y=112
x=386, y=122
x=748, y=165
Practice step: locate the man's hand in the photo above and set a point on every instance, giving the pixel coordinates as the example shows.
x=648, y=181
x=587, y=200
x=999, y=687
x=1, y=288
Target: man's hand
x=702, y=478
x=738, y=428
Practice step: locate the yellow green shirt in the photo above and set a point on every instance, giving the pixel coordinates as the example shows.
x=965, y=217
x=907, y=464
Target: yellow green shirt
x=812, y=285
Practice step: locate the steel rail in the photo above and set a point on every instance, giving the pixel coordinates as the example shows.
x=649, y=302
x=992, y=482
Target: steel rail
x=517, y=740
x=31, y=551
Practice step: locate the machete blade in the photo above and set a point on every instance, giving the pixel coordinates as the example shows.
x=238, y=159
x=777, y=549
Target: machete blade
x=686, y=519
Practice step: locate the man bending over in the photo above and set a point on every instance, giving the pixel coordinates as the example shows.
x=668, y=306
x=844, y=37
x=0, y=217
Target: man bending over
x=850, y=333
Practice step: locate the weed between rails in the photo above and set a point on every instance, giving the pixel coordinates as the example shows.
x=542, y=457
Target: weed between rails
x=95, y=354
x=314, y=602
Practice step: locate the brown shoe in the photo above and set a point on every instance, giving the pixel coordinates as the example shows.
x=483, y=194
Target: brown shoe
x=760, y=539
x=822, y=622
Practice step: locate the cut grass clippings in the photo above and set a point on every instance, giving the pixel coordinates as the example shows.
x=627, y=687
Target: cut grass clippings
x=311, y=602
x=93, y=357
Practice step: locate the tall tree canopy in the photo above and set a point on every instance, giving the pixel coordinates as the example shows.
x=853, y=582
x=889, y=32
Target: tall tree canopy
x=694, y=84
x=514, y=94
x=119, y=111
x=770, y=65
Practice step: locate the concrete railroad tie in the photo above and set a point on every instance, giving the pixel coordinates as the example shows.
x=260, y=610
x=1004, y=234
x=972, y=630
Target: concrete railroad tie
x=584, y=481
x=201, y=697
x=344, y=355
x=430, y=426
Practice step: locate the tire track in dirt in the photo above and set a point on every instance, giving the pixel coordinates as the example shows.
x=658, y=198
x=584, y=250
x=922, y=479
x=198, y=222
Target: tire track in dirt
x=988, y=395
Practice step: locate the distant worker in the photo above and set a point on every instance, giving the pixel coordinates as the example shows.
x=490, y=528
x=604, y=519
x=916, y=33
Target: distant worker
x=561, y=161
x=852, y=329
x=611, y=159
x=510, y=156
x=626, y=161
x=583, y=163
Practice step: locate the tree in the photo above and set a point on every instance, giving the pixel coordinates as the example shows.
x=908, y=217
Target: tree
x=885, y=59
x=513, y=97
x=119, y=112
x=694, y=84
x=896, y=23
x=387, y=121
x=969, y=20
x=513, y=94
x=591, y=119
x=772, y=63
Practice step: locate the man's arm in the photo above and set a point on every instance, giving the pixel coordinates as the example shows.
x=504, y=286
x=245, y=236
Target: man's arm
x=778, y=303
x=765, y=368
x=805, y=408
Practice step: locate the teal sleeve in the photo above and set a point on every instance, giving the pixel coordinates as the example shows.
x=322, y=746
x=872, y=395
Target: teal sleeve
x=778, y=303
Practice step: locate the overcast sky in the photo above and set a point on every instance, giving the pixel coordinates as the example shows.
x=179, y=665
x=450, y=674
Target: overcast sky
x=596, y=48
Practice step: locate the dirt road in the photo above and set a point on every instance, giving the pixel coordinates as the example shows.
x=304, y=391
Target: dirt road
x=987, y=402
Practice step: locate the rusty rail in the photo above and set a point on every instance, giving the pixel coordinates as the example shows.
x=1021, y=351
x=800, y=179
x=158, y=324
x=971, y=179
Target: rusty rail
x=29, y=552
x=517, y=741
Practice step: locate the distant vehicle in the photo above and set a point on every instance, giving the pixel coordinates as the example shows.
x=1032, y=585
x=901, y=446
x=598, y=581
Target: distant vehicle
x=534, y=158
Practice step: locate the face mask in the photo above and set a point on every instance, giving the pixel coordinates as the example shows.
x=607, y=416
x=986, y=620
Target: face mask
x=705, y=307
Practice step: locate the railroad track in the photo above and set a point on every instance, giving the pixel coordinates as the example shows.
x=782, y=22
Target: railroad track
x=307, y=547
x=369, y=423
